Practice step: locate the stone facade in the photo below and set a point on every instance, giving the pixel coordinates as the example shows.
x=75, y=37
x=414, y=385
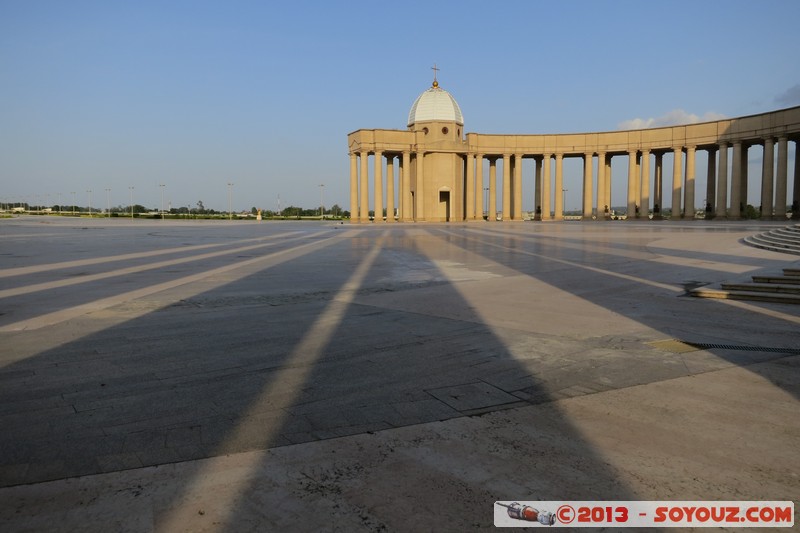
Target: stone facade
x=441, y=168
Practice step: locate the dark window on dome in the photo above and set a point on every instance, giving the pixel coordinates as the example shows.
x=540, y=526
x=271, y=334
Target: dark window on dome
x=458, y=132
x=445, y=130
x=425, y=131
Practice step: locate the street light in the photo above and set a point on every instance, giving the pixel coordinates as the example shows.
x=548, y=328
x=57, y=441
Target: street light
x=486, y=204
x=564, y=201
x=90, y=202
x=108, y=203
x=73, y=203
x=161, y=186
x=321, y=203
x=230, y=213
x=131, y=189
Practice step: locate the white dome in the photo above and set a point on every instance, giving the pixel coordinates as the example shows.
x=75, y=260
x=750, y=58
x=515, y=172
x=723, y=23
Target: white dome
x=435, y=104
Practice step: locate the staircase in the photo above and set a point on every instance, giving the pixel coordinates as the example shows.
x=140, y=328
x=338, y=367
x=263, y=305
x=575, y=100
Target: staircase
x=782, y=289
x=785, y=240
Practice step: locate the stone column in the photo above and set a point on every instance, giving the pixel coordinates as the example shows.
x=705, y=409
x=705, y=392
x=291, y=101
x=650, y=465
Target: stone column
x=677, y=159
x=479, y=187
x=559, y=196
x=796, y=193
x=405, y=180
x=517, y=188
x=722, y=181
x=492, y=190
x=378, y=164
x=537, y=189
x=782, y=179
x=470, y=192
x=545, y=179
x=711, y=189
x=638, y=186
x=363, y=210
x=506, y=186
x=607, y=192
x=745, y=178
x=390, y=188
x=353, y=187
x=601, y=186
x=688, y=192
x=767, y=178
x=419, y=187
x=658, y=187
x=736, y=182
x=644, y=206
x=587, y=185
x=631, y=214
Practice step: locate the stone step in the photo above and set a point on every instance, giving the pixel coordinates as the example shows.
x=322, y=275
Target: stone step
x=783, y=280
x=746, y=295
x=776, y=238
x=756, y=242
x=791, y=271
x=762, y=287
x=791, y=236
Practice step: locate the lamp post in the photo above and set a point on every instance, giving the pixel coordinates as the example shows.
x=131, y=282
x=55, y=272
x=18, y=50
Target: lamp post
x=131, y=189
x=90, y=201
x=161, y=186
x=321, y=203
x=59, y=203
x=108, y=203
x=230, y=213
x=486, y=203
x=564, y=200
x=73, y=203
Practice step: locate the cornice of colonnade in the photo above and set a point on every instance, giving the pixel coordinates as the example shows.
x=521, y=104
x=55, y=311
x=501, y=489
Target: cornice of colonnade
x=752, y=129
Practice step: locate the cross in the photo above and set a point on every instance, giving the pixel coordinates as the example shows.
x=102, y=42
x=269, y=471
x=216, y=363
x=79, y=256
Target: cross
x=435, y=70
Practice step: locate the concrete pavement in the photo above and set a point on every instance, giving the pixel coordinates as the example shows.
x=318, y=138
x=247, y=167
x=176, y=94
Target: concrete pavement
x=168, y=376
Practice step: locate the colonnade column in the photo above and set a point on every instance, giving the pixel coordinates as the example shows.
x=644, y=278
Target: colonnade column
x=492, y=189
x=587, y=184
x=658, y=187
x=419, y=188
x=736, y=182
x=744, y=181
x=559, y=211
x=378, y=164
x=363, y=209
x=711, y=177
x=722, y=181
x=796, y=193
x=607, y=191
x=545, y=180
x=405, y=187
x=688, y=192
x=506, y=186
x=601, y=186
x=390, y=188
x=631, y=184
x=644, y=206
x=353, y=186
x=479, y=187
x=517, y=188
x=537, y=189
x=470, y=193
x=782, y=182
x=767, y=178
x=677, y=156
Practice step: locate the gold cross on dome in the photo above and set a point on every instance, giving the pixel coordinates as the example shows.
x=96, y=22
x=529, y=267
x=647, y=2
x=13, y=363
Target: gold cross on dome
x=435, y=69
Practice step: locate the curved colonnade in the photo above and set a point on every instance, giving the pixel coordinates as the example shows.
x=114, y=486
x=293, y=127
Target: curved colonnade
x=458, y=189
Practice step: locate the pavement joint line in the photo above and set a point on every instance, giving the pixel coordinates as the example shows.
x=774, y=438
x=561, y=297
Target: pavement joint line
x=21, y=271
x=62, y=315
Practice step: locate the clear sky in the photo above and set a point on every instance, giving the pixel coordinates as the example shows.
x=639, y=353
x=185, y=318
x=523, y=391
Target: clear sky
x=194, y=94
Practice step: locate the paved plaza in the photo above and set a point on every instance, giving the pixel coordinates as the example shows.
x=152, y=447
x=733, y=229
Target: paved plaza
x=235, y=376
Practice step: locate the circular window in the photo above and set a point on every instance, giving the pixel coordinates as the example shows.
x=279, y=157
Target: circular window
x=445, y=130
x=425, y=131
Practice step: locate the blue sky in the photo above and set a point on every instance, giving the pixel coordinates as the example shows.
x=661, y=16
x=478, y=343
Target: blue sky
x=195, y=94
